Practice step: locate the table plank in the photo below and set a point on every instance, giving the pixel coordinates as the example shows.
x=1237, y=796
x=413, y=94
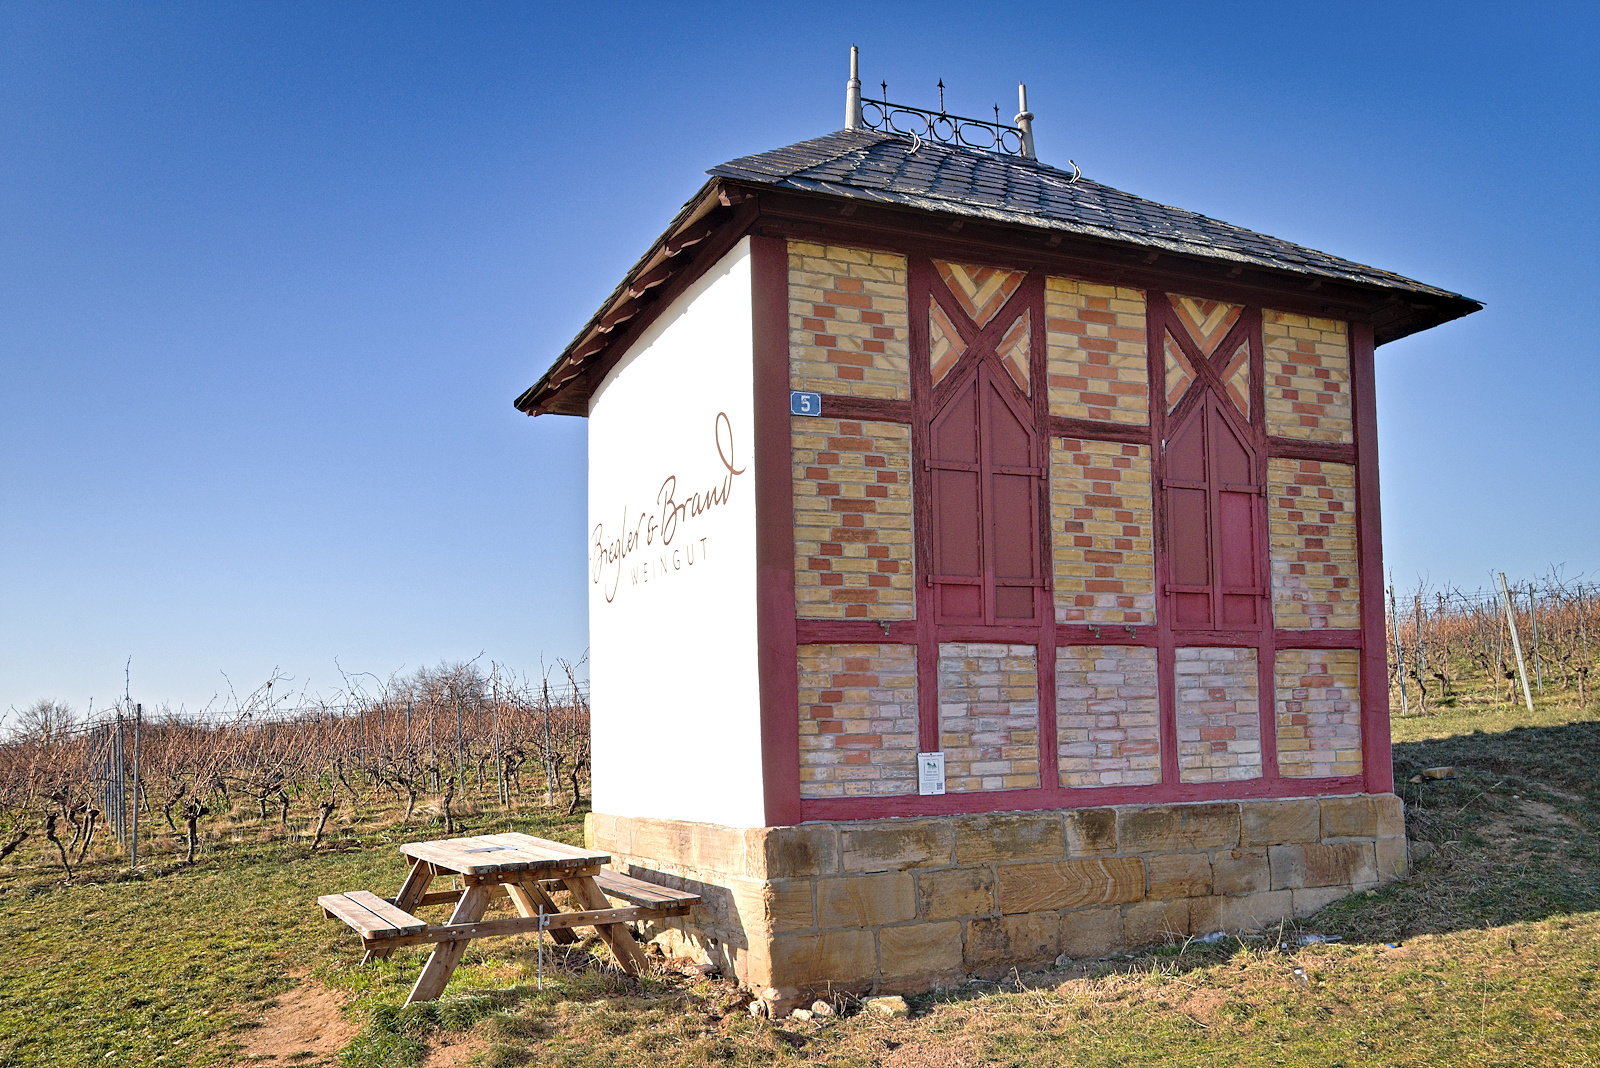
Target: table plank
x=483, y=855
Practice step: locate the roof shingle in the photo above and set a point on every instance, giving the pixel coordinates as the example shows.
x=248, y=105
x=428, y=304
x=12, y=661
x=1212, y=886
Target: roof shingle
x=889, y=168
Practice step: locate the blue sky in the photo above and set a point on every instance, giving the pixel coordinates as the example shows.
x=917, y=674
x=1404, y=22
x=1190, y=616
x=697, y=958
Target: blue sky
x=271, y=274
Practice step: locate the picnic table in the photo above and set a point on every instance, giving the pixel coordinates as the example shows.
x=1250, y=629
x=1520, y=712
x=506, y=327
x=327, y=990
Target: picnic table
x=519, y=866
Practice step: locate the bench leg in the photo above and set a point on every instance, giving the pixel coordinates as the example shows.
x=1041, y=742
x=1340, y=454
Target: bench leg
x=589, y=896
x=436, y=973
x=528, y=897
x=411, y=891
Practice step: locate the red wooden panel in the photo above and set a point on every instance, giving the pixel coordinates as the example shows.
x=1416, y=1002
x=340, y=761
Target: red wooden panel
x=985, y=481
x=1229, y=455
x=955, y=429
x=1186, y=452
x=1213, y=535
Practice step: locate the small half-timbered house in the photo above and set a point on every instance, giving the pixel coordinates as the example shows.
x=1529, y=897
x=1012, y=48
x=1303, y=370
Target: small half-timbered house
x=985, y=563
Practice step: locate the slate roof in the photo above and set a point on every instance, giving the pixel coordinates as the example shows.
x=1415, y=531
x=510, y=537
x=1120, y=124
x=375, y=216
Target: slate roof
x=890, y=169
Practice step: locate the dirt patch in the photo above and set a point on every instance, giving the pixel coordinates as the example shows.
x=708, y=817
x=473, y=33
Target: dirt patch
x=453, y=1053
x=929, y=1055
x=1544, y=813
x=305, y=1026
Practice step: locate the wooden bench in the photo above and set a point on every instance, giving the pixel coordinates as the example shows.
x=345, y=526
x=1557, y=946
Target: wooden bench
x=372, y=917
x=653, y=896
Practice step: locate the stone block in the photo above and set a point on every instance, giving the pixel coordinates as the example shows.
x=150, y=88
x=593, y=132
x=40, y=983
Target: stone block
x=717, y=849
x=1151, y=922
x=599, y=830
x=895, y=845
x=1179, y=875
x=1234, y=914
x=1349, y=817
x=1087, y=933
x=922, y=951
x=1330, y=864
x=1392, y=858
x=1177, y=828
x=1091, y=832
x=1312, y=899
x=621, y=843
x=1279, y=822
x=664, y=841
x=847, y=959
x=1391, y=815
x=1029, y=938
x=781, y=905
x=1069, y=884
x=866, y=900
x=1007, y=836
x=1240, y=871
x=945, y=895
x=791, y=852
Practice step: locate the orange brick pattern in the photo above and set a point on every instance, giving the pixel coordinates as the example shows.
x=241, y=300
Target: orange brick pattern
x=849, y=332
x=1101, y=532
x=1319, y=712
x=1206, y=321
x=1219, y=715
x=1107, y=716
x=989, y=716
x=981, y=291
x=858, y=720
x=852, y=519
x=1311, y=513
x=1307, y=377
x=1095, y=349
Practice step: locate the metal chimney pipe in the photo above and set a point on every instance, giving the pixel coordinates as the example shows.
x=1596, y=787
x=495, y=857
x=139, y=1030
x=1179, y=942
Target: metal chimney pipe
x=1025, y=121
x=852, y=92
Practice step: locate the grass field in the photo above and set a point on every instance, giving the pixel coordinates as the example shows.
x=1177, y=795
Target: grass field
x=1488, y=955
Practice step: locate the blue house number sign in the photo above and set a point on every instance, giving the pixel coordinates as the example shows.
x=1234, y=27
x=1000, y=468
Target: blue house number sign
x=805, y=403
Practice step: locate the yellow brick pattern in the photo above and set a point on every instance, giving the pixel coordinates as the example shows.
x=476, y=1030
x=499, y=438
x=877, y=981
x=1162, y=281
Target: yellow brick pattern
x=1219, y=715
x=852, y=519
x=1107, y=716
x=1101, y=532
x=1319, y=712
x=1311, y=513
x=1307, y=377
x=858, y=720
x=1095, y=351
x=989, y=716
x=849, y=332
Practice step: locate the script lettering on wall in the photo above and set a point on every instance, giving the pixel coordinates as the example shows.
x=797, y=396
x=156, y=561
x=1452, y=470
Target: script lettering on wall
x=657, y=542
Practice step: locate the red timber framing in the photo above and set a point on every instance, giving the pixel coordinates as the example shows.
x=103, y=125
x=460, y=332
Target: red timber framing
x=1248, y=623
x=781, y=632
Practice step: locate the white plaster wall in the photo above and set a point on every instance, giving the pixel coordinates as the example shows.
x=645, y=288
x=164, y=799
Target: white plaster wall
x=672, y=608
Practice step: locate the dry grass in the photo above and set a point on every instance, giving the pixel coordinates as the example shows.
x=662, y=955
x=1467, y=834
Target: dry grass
x=1488, y=955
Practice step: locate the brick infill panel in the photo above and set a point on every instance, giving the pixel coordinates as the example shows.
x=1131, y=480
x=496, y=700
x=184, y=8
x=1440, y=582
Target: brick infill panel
x=1307, y=384
x=1107, y=716
x=858, y=720
x=1319, y=712
x=1219, y=714
x=1095, y=345
x=852, y=519
x=1311, y=519
x=989, y=716
x=849, y=332
x=1102, y=532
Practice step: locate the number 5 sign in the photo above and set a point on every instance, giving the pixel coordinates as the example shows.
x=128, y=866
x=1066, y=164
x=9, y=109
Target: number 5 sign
x=805, y=403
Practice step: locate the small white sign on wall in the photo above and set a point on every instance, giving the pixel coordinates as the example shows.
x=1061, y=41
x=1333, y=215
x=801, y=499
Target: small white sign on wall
x=930, y=773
